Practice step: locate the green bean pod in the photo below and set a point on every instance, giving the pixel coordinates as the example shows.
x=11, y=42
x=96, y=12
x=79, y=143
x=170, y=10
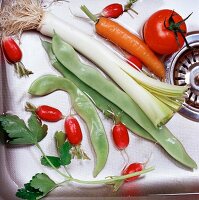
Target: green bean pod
x=67, y=56
x=100, y=101
x=84, y=107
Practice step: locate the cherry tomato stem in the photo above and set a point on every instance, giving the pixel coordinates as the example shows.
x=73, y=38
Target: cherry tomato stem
x=73, y=130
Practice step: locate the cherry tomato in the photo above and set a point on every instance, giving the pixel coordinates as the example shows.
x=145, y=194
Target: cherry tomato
x=163, y=34
x=73, y=130
x=113, y=10
x=132, y=60
x=11, y=50
x=120, y=136
x=48, y=113
x=134, y=167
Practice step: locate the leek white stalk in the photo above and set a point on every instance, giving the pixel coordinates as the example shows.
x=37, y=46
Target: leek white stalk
x=88, y=46
x=131, y=81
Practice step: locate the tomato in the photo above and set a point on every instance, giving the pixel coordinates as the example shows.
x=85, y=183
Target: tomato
x=113, y=10
x=73, y=130
x=162, y=33
x=48, y=113
x=134, y=62
x=11, y=50
x=120, y=136
x=134, y=167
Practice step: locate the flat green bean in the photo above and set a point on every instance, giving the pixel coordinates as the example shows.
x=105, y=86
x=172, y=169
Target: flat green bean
x=84, y=107
x=90, y=76
x=100, y=101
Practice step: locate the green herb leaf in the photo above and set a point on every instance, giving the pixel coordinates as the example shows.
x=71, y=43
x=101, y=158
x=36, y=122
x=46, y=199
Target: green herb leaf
x=65, y=155
x=19, y=133
x=60, y=138
x=29, y=192
x=37, y=128
x=38, y=187
x=54, y=160
x=17, y=130
x=43, y=183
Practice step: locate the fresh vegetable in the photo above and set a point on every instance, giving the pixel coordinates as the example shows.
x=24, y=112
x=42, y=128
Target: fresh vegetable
x=119, y=130
x=73, y=130
x=134, y=167
x=45, y=112
x=92, y=78
x=74, y=136
x=165, y=31
x=115, y=10
x=13, y=55
x=60, y=138
x=159, y=113
x=126, y=40
x=84, y=107
x=156, y=108
x=101, y=102
x=12, y=20
x=19, y=133
x=134, y=61
x=41, y=184
x=120, y=136
x=38, y=187
x=64, y=158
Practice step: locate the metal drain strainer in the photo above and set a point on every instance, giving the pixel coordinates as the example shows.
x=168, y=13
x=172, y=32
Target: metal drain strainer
x=183, y=69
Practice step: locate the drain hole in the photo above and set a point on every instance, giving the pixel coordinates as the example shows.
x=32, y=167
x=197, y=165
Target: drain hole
x=185, y=66
x=196, y=80
x=181, y=71
x=182, y=84
x=179, y=78
x=193, y=55
x=190, y=95
x=195, y=100
x=188, y=60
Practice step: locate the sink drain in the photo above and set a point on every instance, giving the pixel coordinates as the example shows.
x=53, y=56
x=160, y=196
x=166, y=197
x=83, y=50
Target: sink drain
x=183, y=69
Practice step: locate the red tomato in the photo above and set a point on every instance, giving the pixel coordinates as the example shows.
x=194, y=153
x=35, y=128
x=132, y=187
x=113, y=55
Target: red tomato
x=120, y=136
x=159, y=32
x=11, y=50
x=132, y=60
x=113, y=10
x=48, y=113
x=134, y=167
x=73, y=131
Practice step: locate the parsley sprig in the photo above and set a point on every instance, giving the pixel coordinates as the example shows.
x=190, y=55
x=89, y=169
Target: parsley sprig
x=17, y=132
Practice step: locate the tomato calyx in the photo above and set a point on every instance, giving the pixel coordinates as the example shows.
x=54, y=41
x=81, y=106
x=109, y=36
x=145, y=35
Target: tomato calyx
x=175, y=28
x=128, y=6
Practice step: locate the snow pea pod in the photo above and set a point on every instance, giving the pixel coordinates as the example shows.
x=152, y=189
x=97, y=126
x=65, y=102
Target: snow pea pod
x=84, y=107
x=67, y=56
x=100, y=101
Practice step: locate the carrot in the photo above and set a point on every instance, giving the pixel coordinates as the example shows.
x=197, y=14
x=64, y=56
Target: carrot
x=123, y=38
